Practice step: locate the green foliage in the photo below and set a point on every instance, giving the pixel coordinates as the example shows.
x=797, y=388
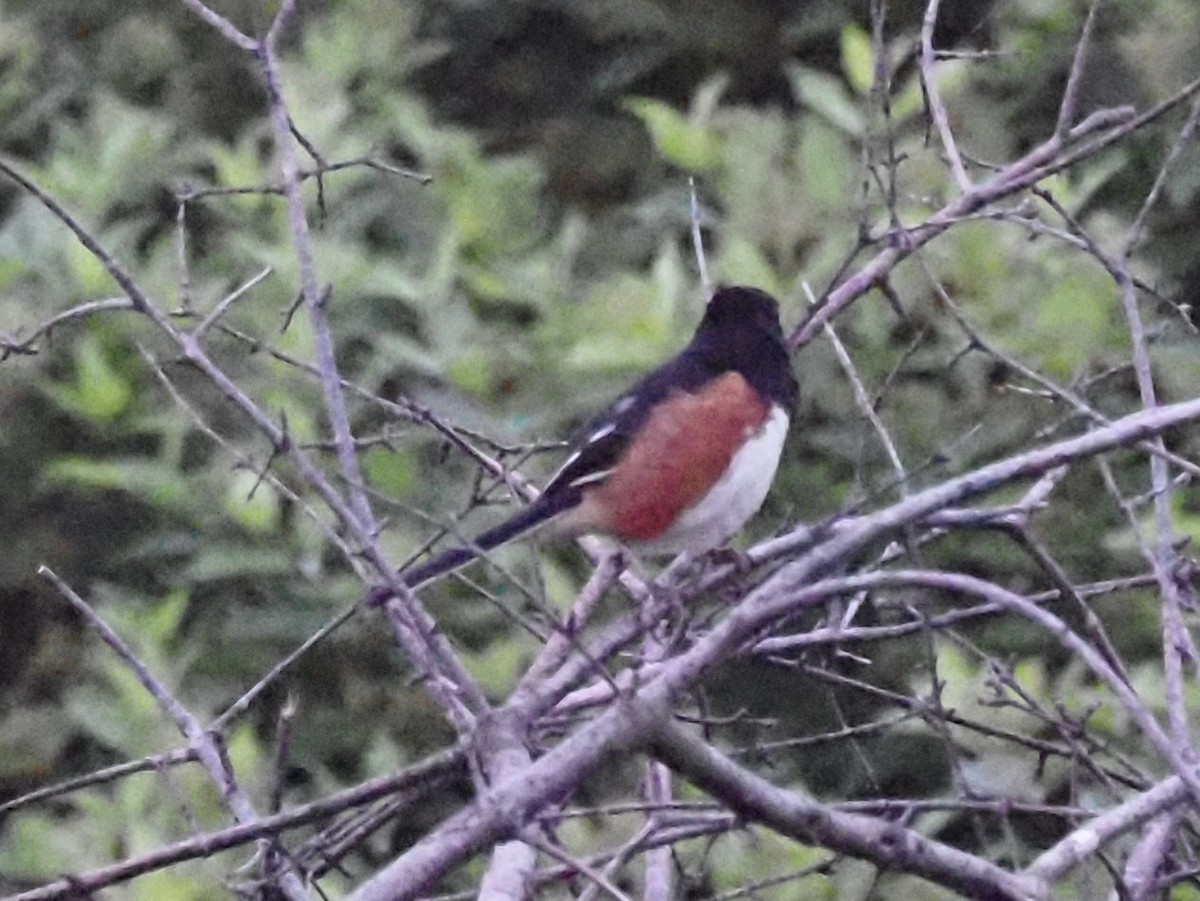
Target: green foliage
x=827, y=96
x=764, y=852
x=157, y=484
x=507, y=304
x=678, y=139
x=98, y=391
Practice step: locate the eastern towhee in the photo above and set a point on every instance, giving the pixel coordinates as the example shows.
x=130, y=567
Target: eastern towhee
x=681, y=460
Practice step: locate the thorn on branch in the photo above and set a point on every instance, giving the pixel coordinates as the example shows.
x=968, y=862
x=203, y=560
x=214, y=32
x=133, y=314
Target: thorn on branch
x=321, y=169
x=290, y=312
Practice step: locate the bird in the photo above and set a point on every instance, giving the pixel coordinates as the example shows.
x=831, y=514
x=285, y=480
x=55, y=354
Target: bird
x=681, y=460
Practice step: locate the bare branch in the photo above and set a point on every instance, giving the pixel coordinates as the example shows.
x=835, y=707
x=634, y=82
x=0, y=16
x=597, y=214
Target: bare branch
x=698, y=241
x=503, y=809
x=1070, y=99
x=10, y=345
x=154, y=763
x=936, y=109
x=223, y=307
x=312, y=292
x=220, y=23
x=206, y=744
x=889, y=845
x=423, y=776
x=1053, y=156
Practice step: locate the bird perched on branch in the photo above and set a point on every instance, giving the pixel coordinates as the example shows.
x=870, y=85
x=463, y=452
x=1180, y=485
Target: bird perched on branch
x=678, y=462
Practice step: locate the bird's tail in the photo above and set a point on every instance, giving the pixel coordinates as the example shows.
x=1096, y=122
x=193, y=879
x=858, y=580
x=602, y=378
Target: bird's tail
x=535, y=515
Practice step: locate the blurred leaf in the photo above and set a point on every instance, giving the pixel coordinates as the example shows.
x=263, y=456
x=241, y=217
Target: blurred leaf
x=708, y=98
x=742, y=263
x=247, y=754
x=401, y=351
x=91, y=278
x=1176, y=367
x=473, y=373
x=766, y=852
x=691, y=147
x=1184, y=185
x=821, y=155
x=391, y=471
x=494, y=205
x=120, y=713
x=298, y=407
x=959, y=676
x=827, y=96
x=909, y=101
x=560, y=583
x=238, y=166
x=1073, y=319
x=100, y=392
x=18, y=57
x=1185, y=521
x=156, y=483
x=9, y=270
x=170, y=883
x=626, y=324
x=1030, y=675
x=258, y=512
x=120, y=152
x=30, y=741
x=858, y=59
x=219, y=560
x=36, y=845
x=499, y=665
x=1079, y=695
x=1076, y=190
x=901, y=885
x=160, y=623
x=85, y=472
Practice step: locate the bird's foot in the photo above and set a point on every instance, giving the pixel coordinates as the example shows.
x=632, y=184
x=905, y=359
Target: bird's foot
x=741, y=562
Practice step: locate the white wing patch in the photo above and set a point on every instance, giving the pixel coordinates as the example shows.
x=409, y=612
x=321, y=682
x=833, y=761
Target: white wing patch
x=603, y=432
x=599, y=435
x=589, y=478
x=623, y=404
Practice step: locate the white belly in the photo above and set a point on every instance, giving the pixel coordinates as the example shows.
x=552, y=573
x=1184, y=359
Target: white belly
x=721, y=513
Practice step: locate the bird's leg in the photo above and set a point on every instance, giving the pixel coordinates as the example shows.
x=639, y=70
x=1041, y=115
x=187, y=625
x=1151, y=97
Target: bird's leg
x=662, y=595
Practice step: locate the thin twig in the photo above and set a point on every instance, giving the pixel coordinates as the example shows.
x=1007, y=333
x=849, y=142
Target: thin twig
x=698, y=240
x=221, y=308
x=934, y=98
x=206, y=744
x=230, y=31
x=10, y=345
x=427, y=773
x=1070, y=98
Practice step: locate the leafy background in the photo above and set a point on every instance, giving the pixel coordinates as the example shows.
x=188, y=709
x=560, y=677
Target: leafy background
x=546, y=262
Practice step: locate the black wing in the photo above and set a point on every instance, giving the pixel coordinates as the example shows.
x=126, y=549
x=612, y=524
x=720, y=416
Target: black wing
x=598, y=445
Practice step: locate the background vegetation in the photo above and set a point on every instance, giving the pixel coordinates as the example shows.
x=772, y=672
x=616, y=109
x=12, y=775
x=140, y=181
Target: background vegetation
x=534, y=260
